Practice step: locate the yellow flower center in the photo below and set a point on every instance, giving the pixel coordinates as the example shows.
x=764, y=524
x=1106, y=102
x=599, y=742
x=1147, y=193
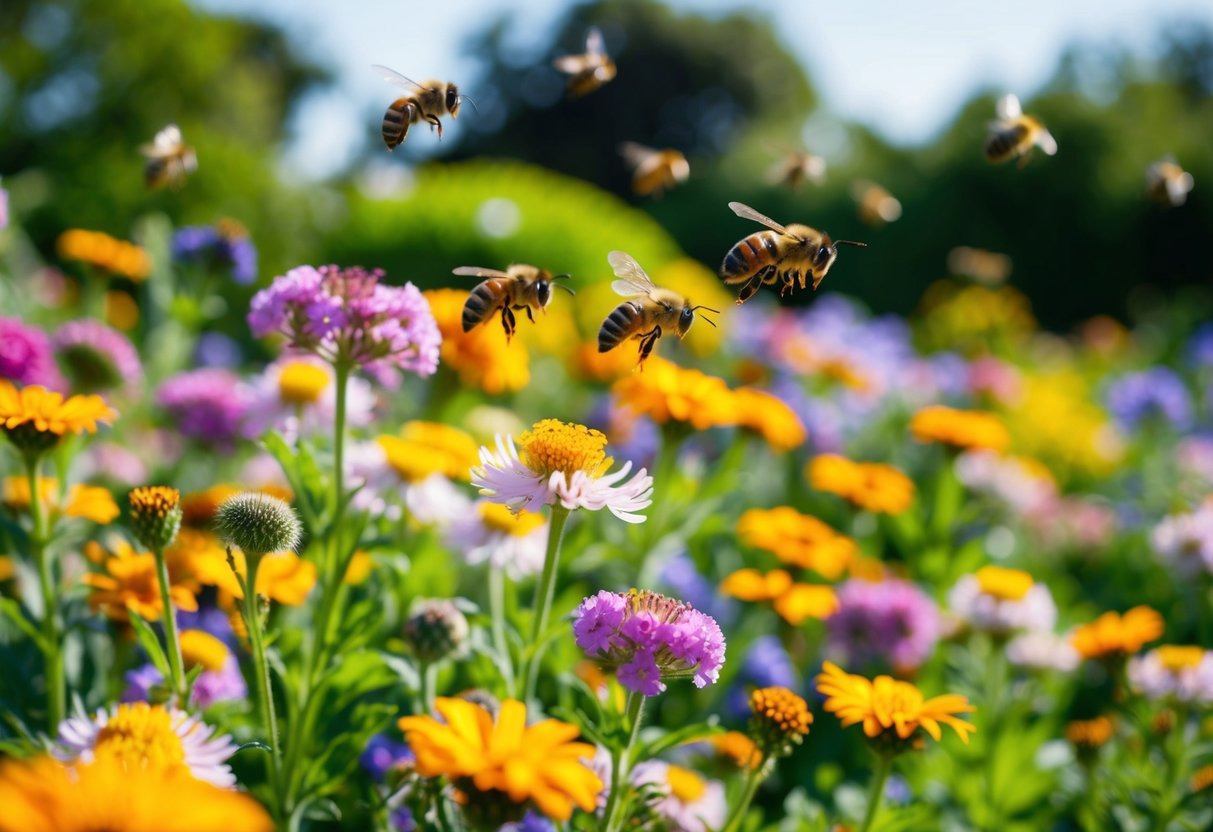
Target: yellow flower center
x=301, y=383
x=142, y=735
x=1176, y=658
x=1004, y=584
x=154, y=501
x=783, y=709
x=499, y=518
x=551, y=445
x=199, y=647
x=685, y=785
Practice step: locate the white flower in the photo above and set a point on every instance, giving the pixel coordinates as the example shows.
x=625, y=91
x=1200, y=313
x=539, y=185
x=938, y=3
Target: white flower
x=690, y=804
x=987, y=603
x=436, y=501
x=1021, y=484
x=513, y=541
x=1042, y=650
x=1174, y=672
x=298, y=394
x=1184, y=542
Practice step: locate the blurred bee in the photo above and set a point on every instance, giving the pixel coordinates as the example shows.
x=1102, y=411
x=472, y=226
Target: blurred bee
x=1168, y=183
x=169, y=159
x=1015, y=134
x=425, y=102
x=796, y=167
x=651, y=311
x=518, y=287
x=789, y=254
x=986, y=267
x=589, y=71
x=876, y=205
x=654, y=171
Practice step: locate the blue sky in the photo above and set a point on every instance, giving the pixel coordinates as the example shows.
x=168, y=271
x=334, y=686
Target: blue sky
x=901, y=67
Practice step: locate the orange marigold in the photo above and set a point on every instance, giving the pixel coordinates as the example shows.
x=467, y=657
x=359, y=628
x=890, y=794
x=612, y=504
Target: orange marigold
x=1113, y=635
x=871, y=486
x=797, y=540
x=769, y=417
x=795, y=602
x=129, y=582
x=105, y=252
x=665, y=393
x=972, y=429
x=87, y=502
x=482, y=358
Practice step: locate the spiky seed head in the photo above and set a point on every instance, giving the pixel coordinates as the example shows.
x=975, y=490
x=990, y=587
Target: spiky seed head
x=435, y=629
x=258, y=523
x=155, y=515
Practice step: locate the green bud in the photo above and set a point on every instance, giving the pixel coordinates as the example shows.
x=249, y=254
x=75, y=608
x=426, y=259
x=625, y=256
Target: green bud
x=258, y=524
x=435, y=629
x=155, y=515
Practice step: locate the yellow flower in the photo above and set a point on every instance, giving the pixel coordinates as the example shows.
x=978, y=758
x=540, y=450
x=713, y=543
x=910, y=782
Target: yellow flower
x=1113, y=635
x=121, y=310
x=971, y=429
x=969, y=316
x=129, y=582
x=1090, y=733
x=665, y=393
x=1177, y=657
x=105, y=252
x=797, y=539
x=1055, y=419
x=199, y=507
x=890, y=709
x=538, y=763
x=482, y=358
x=427, y=448
x=795, y=602
x=770, y=418
x=552, y=445
x=360, y=568
x=43, y=795
x=88, y=502
x=739, y=748
x=781, y=719
x=499, y=518
x=283, y=577
x=35, y=418
x=8, y=569
x=302, y=382
x=871, y=486
x=1004, y=584
x=200, y=648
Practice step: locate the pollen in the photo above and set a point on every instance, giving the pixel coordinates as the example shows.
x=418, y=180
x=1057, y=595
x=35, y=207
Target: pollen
x=499, y=518
x=1176, y=658
x=301, y=383
x=551, y=445
x=142, y=736
x=1004, y=584
x=685, y=785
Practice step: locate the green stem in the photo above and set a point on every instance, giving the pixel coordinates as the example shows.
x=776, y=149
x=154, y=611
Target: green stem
x=545, y=591
x=252, y=622
x=756, y=776
x=995, y=682
x=172, y=640
x=621, y=762
x=497, y=615
x=884, y=766
x=1173, y=752
x=428, y=675
x=56, y=681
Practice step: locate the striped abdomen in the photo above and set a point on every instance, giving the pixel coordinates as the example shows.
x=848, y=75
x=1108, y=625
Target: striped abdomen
x=485, y=299
x=1007, y=142
x=619, y=326
x=756, y=251
x=400, y=114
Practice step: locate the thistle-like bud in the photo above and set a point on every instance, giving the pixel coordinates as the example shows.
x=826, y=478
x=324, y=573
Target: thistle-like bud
x=435, y=629
x=484, y=699
x=155, y=515
x=258, y=524
x=781, y=720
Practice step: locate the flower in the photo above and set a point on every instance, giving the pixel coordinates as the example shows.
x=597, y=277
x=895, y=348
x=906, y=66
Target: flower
x=649, y=639
x=214, y=349
x=483, y=358
x=539, y=764
x=562, y=462
x=35, y=418
x=152, y=737
x=1113, y=635
x=1184, y=674
x=890, y=710
x=1042, y=650
x=383, y=754
x=1201, y=780
x=222, y=247
x=297, y=394
x=891, y=622
x=960, y=428
x=156, y=515
x=43, y=795
x=435, y=629
x=347, y=317
x=87, y=502
x=794, y=601
x=96, y=357
x=666, y=393
x=283, y=577
x=258, y=523
x=1158, y=392
x=1024, y=485
x=219, y=678
x=207, y=405
x=868, y=485
x=1184, y=542
x=797, y=540
x=1000, y=600
x=426, y=448
x=26, y=356
x=769, y=417
x=130, y=583
x=688, y=802
x=513, y=541
x=3, y=209
x=781, y=720
x=105, y=252
x=737, y=747
x=1090, y=734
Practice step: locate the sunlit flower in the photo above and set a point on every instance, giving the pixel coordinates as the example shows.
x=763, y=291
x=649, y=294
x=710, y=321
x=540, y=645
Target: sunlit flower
x=149, y=736
x=1174, y=672
x=426, y=448
x=1157, y=393
x=88, y=502
x=105, y=252
x=889, y=622
x=1001, y=600
x=35, y=418
x=1023, y=485
x=797, y=540
x=870, y=486
x=222, y=247
x=218, y=673
x=96, y=357
x=207, y=405
x=688, y=802
x=666, y=393
x=769, y=417
x=781, y=720
x=1090, y=734
x=1185, y=542
x=26, y=355
x=537, y=764
x=483, y=358
x=200, y=507
x=1056, y=420
x=43, y=795
x=889, y=709
x=960, y=428
x=513, y=541
x=283, y=577
x=562, y=462
x=737, y=747
x=1042, y=650
x=794, y=601
x=297, y=394
x=1113, y=635
x=129, y=582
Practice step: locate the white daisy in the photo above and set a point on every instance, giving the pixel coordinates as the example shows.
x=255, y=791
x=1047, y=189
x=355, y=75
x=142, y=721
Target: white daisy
x=690, y=803
x=1042, y=650
x=1000, y=600
x=513, y=541
x=298, y=394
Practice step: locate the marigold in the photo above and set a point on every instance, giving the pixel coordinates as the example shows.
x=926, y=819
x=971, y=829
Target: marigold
x=970, y=429
x=283, y=577
x=797, y=539
x=427, y=448
x=890, y=710
x=781, y=719
x=105, y=252
x=1202, y=779
x=668, y=393
x=737, y=747
x=769, y=417
x=199, y=507
x=1113, y=635
x=795, y=602
x=35, y=418
x=155, y=515
x=87, y=502
x=198, y=647
x=538, y=763
x=1090, y=733
x=483, y=358
x=871, y=486
x=129, y=582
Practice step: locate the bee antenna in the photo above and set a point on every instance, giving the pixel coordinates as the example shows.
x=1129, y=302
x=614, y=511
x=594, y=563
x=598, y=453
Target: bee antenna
x=850, y=243
x=562, y=286
x=561, y=276
x=705, y=317
x=469, y=100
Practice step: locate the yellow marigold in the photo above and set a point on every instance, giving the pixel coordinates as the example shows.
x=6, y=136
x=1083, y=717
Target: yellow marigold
x=795, y=602
x=427, y=448
x=1003, y=583
x=283, y=577
x=482, y=358
x=781, y=719
x=889, y=709
x=770, y=418
x=200, y=648
x=88, y=502
x=871, y=486
x=797, y=539
x=539, y=763
x=665, y=393
x=35, y=418
x=360, y=568
x=737, y=747
x=972, y=429
x=129, y=582
x=44, y=795
x=1090, y=733
x=1055, y=418
x=105, y=252
x=1114, y=635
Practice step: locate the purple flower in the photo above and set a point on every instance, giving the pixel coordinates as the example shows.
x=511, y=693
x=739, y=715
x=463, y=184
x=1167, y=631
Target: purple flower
x=96, y=357
x=382, y=754
x=681, y=577
x=1171, y=672
x=648, y=639
x=1200, y=346
x=214, y=349
x=1135, y=397
x=891, y=622
x=402, y=819
x=766, y=664
x=223, y=247
x=210, y=619
x=26, y=356
x=140, y=683
x=346, y=316
x=532, y=821
x=206, y=405
x=223, y=685
x=3, y=209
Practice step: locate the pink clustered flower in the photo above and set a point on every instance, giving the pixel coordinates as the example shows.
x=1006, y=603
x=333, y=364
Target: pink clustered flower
x=649, y=639
x=890, y=622
x=26, y=356
x=346, y=316
x=207, y=405
x=97, y=356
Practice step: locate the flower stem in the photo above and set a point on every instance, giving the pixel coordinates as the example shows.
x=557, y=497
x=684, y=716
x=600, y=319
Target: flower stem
x=756, y=776
x=172, y=640
x=52, y=648
x=497, y=615
x=545, y=590
x=884, y=766
x=621, y=762
x=252, y=622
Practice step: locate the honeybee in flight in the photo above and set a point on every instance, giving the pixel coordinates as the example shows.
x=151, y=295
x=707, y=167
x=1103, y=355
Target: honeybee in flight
x=169, y=159
x=590, y=70
x=797, y=167
x=1168, y=183
x=650, y=312
x=654, y=171
x=876, y=205
x=782, y=254
x=1015, y=134
x=425, y=102
x=518, y=287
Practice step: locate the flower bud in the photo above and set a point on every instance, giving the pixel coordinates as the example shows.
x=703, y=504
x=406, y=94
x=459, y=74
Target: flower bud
x=155, y=515
x=435, y=629
x=258, y=524
x=781, y=720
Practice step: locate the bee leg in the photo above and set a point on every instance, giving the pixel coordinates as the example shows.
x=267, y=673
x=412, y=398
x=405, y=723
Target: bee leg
x=529, y=316
x=434, y=122
x=748, y=290
x=508, y=322
x=648, y=341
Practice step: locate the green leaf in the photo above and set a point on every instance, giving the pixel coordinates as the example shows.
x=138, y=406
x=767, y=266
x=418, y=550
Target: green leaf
x=685, y=734
x=12, y=611
x=150, y=643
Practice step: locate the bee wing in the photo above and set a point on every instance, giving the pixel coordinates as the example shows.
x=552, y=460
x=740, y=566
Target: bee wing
x=573, y=64
x=1008, y=107
x=633, y=280
x=1178, y=187
x=637, y=155
x=477, y=271
x=746, y=212
x=396, y=79
x=594, y=44
x=1046, y=142
x=164, y=142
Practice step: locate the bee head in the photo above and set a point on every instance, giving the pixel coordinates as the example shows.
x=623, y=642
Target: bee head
x=453, y=99
x=543, y=291
x=824, y=256
x=685, y=319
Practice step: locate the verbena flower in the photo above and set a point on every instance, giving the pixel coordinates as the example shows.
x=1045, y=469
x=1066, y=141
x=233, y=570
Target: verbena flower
x=96, y=357
x=222, y=247
x=1000, y=600
x=482, y=358
x=1184, y=542
x=1114, y=636
x=297, y=395
x=491, y=533
x=1158, y=392
x=206, y=405
x=26, y=355
x=648, y=639
x=1173, y=672
x=687, y=802
x=346, y=316
x=968, y=429
x=797, y=540
x=34, y=418
x=86, y=502
x=871, y=486
x=104, y=252
x=890, y=622
x=565, y=463
x=794, y=601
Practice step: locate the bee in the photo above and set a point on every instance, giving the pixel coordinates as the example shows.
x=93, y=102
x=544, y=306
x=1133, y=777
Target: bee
x=876, y=205
x=169, y=159
x=986, y=267
x=1168, y=183
x=789, y=254
x=425, y=102
x=1015, y=134
x=651, y=311
x=654, y=171
x=590, y=70
x=796, y=167
x=518, y=287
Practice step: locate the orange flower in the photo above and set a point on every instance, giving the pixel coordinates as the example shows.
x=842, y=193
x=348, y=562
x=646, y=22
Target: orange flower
x=482, y=358
x=795, y=602
x=1113, y=635
x=665, y=393
x=129, y=582
x=770, y=418
x=1090, y=733
x=797, y=539
x=88, y=502
x=35, y=418
x=737, y=747
x=283, y=577
x=198, y=507
x=868, y=485
x=105, y=252
x=971, y=429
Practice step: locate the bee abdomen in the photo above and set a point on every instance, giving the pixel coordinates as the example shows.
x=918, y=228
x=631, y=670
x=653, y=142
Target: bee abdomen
x=480, y=303
x=396, y=122
x=1001, y=144
x=749, y=255
x=617, y=327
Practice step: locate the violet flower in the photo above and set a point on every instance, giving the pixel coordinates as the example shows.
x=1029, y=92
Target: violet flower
x=97, y=357
x=26, y=356
x=207, y=405
x=889, y=622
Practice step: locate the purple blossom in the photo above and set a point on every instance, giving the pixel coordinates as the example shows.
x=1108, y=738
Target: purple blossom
x=402, y=820
x=140, y=683
x=648, y=639
x=214, y=349
x=209, y=619
x=26, y=356
x=97, y=357
x=532, y=821
x=223, y=685
x=891, y=622
x=3, y=209
x=1135, y=397
x=224, y=247
x=346, y=316
x=206, y=405
x=1200, y=346
x=383, y=754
